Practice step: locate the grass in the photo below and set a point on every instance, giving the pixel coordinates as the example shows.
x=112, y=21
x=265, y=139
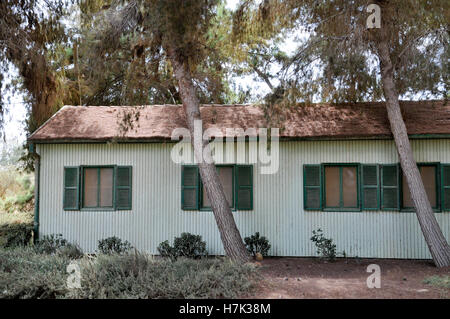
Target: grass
x=25, y=273
x=438, y=281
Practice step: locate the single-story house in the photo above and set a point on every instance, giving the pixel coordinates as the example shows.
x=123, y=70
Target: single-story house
x=338, y=171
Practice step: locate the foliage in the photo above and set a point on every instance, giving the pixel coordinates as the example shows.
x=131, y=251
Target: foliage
x=256, y=244
x=113, y=245
x=16, y=191
x=325, y=247
x=27, y=274
x=187, y=245
x=70, y=251
x=137, y=275
x=16, y=233
x=50, y=244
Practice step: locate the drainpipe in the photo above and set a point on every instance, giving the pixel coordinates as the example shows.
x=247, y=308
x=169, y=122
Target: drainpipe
x=37, y=166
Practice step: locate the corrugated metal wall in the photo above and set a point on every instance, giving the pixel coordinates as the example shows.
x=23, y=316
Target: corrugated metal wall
x=278, y=201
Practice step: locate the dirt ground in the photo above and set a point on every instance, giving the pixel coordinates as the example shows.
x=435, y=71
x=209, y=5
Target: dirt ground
x=346, y=278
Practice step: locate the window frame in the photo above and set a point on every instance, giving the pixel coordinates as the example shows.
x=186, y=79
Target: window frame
x=341, y=208
x=209, y=208
x=82, y=184
x=437, y=166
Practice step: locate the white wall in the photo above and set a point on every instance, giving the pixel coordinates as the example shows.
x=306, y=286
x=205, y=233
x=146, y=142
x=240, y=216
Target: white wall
x=278, y=201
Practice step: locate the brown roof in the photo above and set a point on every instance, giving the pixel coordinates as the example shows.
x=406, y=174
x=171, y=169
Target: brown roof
x=155, y=123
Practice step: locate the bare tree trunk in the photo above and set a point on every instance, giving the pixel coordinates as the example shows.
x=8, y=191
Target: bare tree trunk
x=229, y=233
x=439, y=248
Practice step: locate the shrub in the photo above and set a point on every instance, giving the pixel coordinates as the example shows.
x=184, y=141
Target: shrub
x=438, y=281
x=71, y=251
x=325, y=247
x=27, y=274
x=16, y=233
x=256, y=244
x=137, y=275
x=49, y=244
x=187, y=245
x=113, y=245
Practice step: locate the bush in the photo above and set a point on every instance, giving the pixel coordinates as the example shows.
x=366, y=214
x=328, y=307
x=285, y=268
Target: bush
x=325, y=247
x=137, y=275
x=49, y=244
x=26, y=274
x=187, y=245
x=71, y=251
x=16, y=234
x=113, y=245
x=256, y=244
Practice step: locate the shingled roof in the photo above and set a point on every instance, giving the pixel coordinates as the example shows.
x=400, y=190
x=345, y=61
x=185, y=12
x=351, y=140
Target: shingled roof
x=321, y=121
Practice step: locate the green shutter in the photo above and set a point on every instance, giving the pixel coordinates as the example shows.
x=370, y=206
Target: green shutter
x=390, y=190
x=312, y=191
x=189, y=188
x=445, y=175
x=244, y=187
x=71, y=188
x=370, y=187
x=123, y=184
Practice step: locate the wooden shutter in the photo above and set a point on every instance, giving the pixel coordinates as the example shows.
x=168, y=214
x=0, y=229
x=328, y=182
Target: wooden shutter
x=370, y=187
x=123, y=184
x=244, y=187
x=71, y=188
x=312, y=190
x=445, y=176
x=390, y=190
x=189, y=188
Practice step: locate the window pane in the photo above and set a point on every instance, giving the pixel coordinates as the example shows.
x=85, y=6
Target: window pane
x=332, y=186
x=407, y=201
x=90, y=187
x=106, y=187
x=428, y=174
x=349, y=187
x=226, y=178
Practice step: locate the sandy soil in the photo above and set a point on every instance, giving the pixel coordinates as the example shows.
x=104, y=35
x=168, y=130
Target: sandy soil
x=346, y=278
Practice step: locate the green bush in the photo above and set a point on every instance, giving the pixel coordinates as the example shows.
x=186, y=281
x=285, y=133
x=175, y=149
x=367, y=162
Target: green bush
x=187, y=245
x=256, y=244
x=113, y=245
x=26, y=274
x=71, y=251
x=137, y=275
x=325, y=247
x=16, y=234
x=49, y=244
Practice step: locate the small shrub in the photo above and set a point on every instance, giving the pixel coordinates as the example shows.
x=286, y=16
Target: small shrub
x=256, y=244
x=113, y=245
x=49, y=244
x=325, y=247
x=16, y=234
x=187, y=245
x=71, y=251
x=165, y=250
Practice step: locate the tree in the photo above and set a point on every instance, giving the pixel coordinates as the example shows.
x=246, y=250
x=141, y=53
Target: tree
x=162, y=27
x=407, y=56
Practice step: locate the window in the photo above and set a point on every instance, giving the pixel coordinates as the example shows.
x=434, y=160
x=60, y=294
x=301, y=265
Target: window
x=102, y=187
x=341, y=186
x=98, y=187
x=353, y=187
x=226, y=174
x=428, y=172
x=237, y=182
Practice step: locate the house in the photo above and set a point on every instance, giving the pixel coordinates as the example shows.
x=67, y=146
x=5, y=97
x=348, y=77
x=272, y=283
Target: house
x=338, y=171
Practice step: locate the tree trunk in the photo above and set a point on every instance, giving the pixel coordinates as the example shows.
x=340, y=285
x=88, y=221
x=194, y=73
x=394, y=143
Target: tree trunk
x=229, y=233
x=439, y=248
